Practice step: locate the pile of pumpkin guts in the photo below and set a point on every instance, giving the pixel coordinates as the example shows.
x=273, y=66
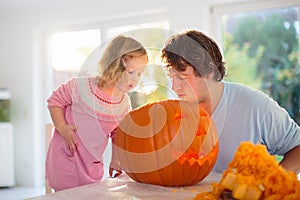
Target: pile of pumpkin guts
x=253, y=174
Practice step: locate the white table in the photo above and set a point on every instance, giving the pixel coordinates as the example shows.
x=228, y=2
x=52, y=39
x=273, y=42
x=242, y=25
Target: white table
x=125, y=188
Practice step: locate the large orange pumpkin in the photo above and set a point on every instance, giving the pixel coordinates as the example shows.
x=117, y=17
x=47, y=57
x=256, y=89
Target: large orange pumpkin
x=168, y=143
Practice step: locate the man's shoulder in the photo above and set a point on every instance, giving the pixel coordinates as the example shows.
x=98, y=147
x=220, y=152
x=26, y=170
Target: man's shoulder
x=244, y=94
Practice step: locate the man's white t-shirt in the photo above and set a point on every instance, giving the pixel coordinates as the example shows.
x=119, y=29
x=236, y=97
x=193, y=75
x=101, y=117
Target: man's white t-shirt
x=245, y=114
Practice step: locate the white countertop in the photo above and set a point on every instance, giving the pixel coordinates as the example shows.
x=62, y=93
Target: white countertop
x=125, y=188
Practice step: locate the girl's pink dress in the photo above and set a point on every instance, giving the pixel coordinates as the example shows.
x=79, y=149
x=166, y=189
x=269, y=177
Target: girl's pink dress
x=95, y=115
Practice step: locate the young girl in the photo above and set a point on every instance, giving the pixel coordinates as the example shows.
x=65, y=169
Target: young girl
x=86, y=110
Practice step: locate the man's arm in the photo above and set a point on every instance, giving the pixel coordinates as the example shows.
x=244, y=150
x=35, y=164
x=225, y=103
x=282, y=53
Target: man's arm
x=291, y=160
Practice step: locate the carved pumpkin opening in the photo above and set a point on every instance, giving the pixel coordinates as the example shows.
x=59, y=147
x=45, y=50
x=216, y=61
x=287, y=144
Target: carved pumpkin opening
x=168, y=143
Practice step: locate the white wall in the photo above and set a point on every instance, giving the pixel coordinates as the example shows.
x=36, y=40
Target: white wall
x=23, y=72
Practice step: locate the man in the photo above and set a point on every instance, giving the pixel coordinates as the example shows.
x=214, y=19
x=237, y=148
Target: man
x=196, y=67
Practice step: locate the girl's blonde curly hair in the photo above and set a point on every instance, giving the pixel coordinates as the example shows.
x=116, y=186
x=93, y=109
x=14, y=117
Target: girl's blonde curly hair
x=111, y=67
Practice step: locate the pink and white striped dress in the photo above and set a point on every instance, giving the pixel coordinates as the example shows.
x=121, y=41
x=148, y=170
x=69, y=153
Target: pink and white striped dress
x=95, y=115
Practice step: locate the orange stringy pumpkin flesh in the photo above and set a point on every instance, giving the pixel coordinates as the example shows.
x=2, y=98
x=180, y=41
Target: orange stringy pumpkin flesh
x=254, y=174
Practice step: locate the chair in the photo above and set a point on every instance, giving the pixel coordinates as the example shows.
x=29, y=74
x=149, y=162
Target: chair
x=49, y=133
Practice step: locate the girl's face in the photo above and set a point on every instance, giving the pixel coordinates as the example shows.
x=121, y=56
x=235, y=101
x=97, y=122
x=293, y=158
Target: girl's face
x=134, y=68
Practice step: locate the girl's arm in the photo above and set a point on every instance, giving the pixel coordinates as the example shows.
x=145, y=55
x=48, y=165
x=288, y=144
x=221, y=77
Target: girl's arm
x=65, y=130
x=114, y=168
x=58, y=101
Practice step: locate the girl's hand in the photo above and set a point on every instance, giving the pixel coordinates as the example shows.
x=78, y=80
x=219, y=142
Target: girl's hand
x=113, y=173
x=67, y=132
x=114, y=167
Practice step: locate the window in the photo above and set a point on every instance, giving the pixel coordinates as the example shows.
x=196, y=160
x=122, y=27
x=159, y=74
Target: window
x=71, y=49
x=261, y=49
x=68, y=52
x=153, y=82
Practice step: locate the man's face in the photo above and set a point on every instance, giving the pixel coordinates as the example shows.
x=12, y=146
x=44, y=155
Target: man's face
x=188, y=86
